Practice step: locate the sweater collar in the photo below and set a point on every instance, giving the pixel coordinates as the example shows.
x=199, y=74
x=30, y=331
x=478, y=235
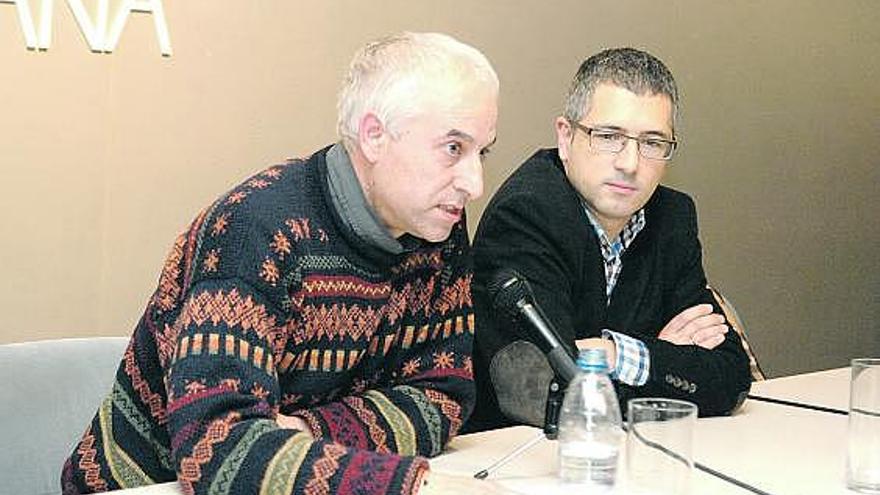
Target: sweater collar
x=350, y=203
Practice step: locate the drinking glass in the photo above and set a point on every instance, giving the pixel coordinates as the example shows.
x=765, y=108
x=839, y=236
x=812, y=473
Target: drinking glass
x=863, y=435
x=659, y=446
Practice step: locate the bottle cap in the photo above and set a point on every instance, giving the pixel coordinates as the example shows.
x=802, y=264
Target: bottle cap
x=592, y=360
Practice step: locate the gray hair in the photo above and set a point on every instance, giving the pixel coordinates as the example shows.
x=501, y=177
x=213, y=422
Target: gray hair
x=628, y=68
x=391, y=76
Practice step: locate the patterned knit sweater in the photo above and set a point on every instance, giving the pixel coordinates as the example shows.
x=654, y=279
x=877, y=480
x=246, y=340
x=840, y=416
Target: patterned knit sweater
x=268, y=303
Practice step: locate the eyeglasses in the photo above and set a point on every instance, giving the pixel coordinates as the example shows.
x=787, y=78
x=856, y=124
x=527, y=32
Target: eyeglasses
x=610, y=141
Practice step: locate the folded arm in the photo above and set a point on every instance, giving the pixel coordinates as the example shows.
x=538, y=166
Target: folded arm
x=693, y=356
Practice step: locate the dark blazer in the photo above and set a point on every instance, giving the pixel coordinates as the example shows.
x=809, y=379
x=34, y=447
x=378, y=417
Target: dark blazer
x=536, y=225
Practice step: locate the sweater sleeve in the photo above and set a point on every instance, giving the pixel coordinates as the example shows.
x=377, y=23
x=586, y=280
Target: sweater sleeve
x=427, y=392
x=223, y=398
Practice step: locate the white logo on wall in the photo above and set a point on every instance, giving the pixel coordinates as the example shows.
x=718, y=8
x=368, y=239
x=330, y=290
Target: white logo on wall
x=101, y=36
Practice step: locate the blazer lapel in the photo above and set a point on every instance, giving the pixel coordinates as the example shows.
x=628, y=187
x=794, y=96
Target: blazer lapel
x=594, y=308
x=632, y=283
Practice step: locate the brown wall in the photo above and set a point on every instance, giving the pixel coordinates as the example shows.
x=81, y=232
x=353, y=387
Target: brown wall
x=105, y=158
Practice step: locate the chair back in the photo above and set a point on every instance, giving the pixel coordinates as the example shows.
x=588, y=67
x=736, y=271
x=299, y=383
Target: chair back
x=736, y=323
x=49, y=392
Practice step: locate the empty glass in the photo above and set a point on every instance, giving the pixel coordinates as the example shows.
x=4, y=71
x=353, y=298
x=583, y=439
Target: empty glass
x=659, y=446
x=863, y=437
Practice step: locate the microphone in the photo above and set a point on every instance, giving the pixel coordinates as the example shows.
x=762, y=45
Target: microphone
x=511, y=295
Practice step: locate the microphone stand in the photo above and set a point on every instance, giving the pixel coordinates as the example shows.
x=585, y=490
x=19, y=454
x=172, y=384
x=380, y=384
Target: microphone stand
x=555, y=394
x=552, y=408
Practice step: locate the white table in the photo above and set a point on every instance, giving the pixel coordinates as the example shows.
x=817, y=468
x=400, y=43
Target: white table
x=532, y=473
x=829, y=388
x=535, y=471
x=779, y=449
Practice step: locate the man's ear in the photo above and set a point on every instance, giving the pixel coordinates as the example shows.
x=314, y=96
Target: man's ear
x=563, y=138
x=372, y=137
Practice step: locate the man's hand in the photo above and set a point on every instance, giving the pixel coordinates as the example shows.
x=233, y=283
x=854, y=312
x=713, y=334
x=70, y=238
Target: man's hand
x=448, y=484
x=293, y=423
x=696, y=325
x=597, y=343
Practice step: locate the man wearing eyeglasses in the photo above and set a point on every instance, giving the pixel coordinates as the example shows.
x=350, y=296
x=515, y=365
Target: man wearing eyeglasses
x=612, y=257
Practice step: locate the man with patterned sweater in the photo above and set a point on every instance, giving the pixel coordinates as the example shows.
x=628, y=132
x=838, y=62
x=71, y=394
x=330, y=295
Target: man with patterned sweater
x=613, y=257
x=312, y=329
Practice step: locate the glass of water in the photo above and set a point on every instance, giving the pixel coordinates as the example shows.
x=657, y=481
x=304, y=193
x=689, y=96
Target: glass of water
x=863, y=437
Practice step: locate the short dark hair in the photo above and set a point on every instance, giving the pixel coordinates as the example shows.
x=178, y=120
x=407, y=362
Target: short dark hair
x=628, y=68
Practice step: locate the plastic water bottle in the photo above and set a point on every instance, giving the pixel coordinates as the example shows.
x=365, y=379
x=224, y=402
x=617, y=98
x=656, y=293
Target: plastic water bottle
x=590, y=433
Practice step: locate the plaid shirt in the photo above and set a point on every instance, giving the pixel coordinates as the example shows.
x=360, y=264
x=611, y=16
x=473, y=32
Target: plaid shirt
x=633, y=360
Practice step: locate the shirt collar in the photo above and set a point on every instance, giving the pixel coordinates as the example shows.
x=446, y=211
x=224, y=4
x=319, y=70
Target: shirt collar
x=351, y=204
x=613, y=249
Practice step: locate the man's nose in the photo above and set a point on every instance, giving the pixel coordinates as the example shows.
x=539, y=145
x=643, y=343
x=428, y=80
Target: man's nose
x=627, y=161
x=470, y=177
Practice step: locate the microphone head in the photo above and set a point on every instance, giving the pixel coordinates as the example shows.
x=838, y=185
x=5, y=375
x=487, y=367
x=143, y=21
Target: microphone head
x=507, y=290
